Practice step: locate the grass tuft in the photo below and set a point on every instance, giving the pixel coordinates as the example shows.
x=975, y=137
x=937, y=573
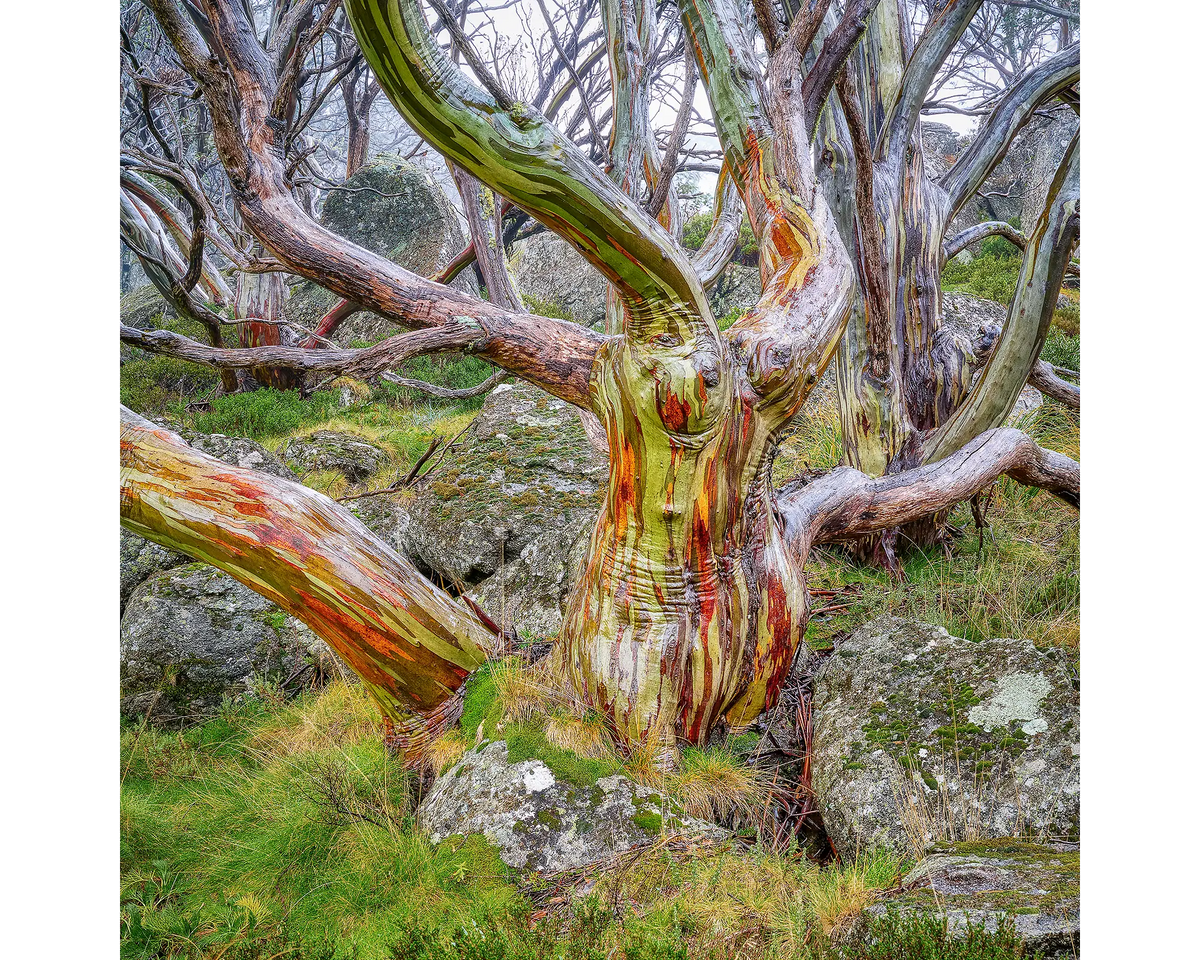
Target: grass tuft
x=714, y=784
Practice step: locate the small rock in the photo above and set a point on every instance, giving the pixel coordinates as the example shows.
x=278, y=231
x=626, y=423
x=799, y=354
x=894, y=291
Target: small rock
x=353, y=457
x=978, y=883
x=542, y=823
x=239, y=452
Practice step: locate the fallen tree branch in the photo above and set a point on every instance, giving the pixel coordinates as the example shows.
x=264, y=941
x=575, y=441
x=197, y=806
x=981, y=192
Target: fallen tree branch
x=447, y=393
x=467, y=335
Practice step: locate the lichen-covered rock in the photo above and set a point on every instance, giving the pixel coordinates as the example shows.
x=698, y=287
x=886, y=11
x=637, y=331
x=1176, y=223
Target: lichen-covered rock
x=352, y=456
x=979, y=882
x=395, y=209
x=519, y=492
x=141, y=559
x=143, y=307
x=239, y=452
x=916, y=729
x=192, y=635
x=542, y=823
x=549, y=269
x=531, y=590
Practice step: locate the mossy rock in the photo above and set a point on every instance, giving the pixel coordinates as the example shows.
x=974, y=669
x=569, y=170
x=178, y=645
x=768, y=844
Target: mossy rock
x=141, y=308
x=354, y=457
x=921, y=735
x=192, y=636
x=395, y=209
x=1034, y=886
x=543, y=823
x=509, y=510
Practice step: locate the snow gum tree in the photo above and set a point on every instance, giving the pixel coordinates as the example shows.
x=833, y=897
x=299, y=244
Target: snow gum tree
x=691, y=607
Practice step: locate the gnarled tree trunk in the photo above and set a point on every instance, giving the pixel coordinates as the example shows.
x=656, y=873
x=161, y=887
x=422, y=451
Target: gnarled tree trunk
x=692, y=607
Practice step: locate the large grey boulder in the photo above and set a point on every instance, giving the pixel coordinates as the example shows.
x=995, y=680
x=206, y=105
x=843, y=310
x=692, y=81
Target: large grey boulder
x=550, y=270
x=978, y=883
x=192, y=635
x=352, y=456
x=395, y=209
x=975, y=323
x=143, y=307
x=941, y=147
x=140, y=560
x=918, y=733
x=541, y=822
x=1045, y=139
x=507, y=510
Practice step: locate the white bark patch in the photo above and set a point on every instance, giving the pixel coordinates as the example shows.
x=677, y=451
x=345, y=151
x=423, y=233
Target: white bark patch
x=1018, y=696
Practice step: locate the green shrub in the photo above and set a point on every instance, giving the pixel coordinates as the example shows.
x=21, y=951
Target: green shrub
x=989, y=276
x=696, y=229
x=732, y=317
x=265, y=413
x=152, y=384
x=455, y=372
x=544, y=308
x=1061, y=350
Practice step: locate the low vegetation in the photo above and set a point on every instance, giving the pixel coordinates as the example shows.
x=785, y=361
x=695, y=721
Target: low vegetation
x=281, y=827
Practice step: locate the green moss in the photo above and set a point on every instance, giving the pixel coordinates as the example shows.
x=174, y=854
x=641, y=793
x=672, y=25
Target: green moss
x=525, y=741
x=648, y=821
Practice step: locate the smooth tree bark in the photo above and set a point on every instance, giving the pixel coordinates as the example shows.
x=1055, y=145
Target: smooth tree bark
x=691, y=607
x=152, y=228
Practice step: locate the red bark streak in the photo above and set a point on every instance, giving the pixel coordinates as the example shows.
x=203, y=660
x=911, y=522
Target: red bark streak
x=674, y=413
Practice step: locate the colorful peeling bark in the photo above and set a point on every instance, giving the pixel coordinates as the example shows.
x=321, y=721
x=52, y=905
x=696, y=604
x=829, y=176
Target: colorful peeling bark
x=690, y=610
x=258, y=308
x=409, y=642
x=692, y=607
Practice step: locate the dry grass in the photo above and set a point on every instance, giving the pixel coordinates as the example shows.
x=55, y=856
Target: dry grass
x=585, y=734
x=714, y=784
x=342, y=715
x=332, y=483
x=935, y=816
x=837, y=897
x=524, y=691
x=446, y=750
